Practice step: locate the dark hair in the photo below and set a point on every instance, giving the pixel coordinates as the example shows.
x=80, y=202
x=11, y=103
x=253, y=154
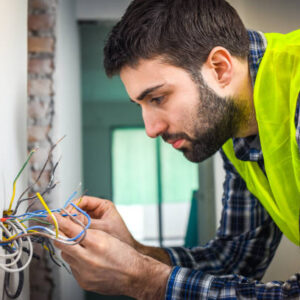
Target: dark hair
x=182, y=32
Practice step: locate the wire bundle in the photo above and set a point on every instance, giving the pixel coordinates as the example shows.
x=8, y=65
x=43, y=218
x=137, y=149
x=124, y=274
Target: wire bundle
x=19, y=232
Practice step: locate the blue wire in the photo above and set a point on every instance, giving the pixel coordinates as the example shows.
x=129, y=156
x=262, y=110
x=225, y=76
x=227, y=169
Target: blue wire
x=86, y=227
x=55, y=210
x=70, y=199
x=37, y=213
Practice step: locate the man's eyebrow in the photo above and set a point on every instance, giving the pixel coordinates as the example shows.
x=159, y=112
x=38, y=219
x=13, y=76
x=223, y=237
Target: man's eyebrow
x=147, y=91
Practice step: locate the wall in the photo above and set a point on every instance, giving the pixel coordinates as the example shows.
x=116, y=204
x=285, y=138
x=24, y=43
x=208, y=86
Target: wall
x=101, y=10
x=13, y=102
x=41, y=97
x=67, y=122
x=267, y=16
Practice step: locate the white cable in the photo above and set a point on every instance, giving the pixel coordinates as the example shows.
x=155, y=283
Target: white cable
x=29, y=256
x=15, y=243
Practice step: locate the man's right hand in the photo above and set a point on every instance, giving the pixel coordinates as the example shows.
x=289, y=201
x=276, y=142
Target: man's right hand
x=105, y=217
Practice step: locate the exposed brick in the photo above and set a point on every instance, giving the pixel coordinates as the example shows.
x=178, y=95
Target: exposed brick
x=40, y=66
x=40, y=156
x=39, y=87
x=41, y=4
x=37, y=109
x=41, y=52
x=37, y=133
x=40, y=22
x=40, y=45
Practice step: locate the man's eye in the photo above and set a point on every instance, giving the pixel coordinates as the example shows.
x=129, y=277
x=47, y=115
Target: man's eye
x=157, y=100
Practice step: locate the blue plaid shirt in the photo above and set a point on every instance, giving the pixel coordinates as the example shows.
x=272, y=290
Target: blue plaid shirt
x=231, y=265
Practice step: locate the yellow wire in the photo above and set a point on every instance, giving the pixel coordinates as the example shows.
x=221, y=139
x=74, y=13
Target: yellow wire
x=80, y=199
x=13, y=236
x=49, y=212
x=12, y=198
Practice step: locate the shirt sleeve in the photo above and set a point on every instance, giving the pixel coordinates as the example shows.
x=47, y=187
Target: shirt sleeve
x=185, y=283
x=246, y=239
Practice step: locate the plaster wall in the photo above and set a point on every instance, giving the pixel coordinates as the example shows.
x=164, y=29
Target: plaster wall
x=13, y=103
x=68, y=122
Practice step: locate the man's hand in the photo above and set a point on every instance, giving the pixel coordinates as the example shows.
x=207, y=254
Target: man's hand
x=106, y=265
x=105, y=217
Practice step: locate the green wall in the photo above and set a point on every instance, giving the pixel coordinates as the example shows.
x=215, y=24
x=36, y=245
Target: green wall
x=105, y=105
x=99, y=119
x=96, y=87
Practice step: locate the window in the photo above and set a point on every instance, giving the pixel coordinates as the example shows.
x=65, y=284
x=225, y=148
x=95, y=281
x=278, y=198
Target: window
x=152, y=187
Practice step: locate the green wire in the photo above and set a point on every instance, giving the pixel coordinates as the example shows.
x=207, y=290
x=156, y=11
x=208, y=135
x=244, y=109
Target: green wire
x=37, y=220
x=25, y=164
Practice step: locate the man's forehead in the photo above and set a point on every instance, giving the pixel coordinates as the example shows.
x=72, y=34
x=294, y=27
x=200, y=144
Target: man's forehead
x=149, y=73
x=145, y=75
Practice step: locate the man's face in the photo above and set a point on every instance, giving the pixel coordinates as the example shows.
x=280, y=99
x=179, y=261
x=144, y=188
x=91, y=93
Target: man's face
x=184, y=112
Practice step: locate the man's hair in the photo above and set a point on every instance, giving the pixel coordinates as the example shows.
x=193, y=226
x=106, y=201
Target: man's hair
x=181, y=32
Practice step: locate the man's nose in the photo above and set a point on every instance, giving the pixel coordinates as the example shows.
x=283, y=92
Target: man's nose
x=154, y=125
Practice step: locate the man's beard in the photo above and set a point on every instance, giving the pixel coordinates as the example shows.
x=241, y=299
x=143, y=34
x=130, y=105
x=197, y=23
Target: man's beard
x=217, y=120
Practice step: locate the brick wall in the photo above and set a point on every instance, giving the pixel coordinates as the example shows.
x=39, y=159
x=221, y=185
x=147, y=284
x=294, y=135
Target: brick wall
x=41, y=97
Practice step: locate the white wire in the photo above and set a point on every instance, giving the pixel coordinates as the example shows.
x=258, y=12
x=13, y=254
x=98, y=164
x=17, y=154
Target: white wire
x=29, y=256
x=19, y=253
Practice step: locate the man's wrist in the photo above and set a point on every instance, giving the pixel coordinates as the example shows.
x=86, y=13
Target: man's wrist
x=157, y=253
x=151, y=279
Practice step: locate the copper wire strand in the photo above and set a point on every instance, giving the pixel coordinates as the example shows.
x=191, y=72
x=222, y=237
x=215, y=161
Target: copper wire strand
x=49, y=187
x=41, y=172
x=34, y=198
x=47, y=190
x=80, y=199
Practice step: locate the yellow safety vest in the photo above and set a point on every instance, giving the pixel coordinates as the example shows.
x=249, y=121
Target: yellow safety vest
x=276, y=91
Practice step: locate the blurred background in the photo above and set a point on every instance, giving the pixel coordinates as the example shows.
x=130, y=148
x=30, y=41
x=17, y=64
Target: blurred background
x=53, y=83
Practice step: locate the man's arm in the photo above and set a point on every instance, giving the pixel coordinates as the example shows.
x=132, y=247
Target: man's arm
x=185, y=283
x=245, y=242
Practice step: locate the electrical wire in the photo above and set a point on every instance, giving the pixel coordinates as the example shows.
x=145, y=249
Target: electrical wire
x=19, y=289
x=52, y=171
x=50, y=213
x=9, y=211
x=19, y=234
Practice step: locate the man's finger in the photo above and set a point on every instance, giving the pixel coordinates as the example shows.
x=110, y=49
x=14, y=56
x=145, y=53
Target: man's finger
x=95, y=207
x=68, y=227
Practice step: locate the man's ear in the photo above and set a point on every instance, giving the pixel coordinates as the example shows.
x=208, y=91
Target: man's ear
x=219, y=66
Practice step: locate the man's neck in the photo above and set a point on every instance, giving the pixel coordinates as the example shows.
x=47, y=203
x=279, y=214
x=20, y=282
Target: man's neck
x=245, y=98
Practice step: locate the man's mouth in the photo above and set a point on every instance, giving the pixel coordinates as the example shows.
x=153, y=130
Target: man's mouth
x=177, y=143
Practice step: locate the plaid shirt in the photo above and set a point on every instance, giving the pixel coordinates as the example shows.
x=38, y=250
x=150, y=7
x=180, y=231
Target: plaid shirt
x=230, y=265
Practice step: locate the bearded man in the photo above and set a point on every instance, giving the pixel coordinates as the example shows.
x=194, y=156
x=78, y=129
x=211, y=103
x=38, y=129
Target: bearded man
x=204, y=84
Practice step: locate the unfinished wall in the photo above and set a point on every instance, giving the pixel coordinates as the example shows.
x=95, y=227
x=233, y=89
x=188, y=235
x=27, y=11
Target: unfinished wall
x=54, y=111
x=41, y=95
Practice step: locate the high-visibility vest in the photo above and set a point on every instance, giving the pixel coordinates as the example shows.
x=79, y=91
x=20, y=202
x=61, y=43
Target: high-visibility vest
x=276, y=91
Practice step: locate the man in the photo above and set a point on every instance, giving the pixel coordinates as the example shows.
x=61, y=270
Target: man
x=203, y=82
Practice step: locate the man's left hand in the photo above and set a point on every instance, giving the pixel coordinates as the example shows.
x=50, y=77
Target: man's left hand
x=103, y=264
